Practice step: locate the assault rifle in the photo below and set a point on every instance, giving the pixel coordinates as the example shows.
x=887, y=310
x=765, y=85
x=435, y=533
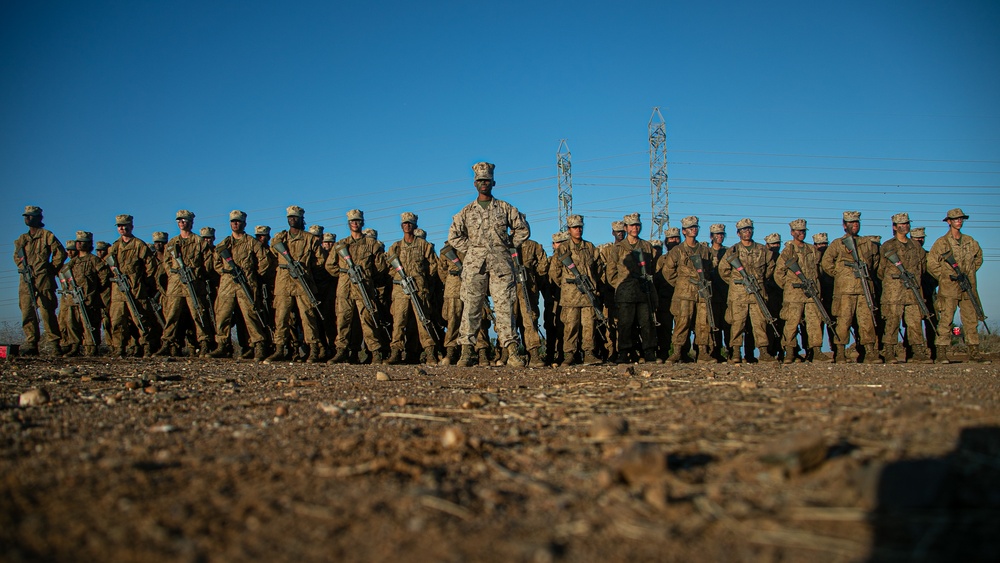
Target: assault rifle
x=410, y=289
x=450, y=254
x=704, y=289
x=357, y=277
x=646, y=282
x=187, y=278
x=154, y=305
x=586, y=287
x=861, y=272
x=752, y=286
x=966, y=285
x=910, y=282
x=240, y=277
x=76, y=292
x=125, y=287
x=28, y=278
x=811, y=289
x=521, y=274
x=298, y=273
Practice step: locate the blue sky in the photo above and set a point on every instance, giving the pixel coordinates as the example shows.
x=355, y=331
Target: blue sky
x=774, y=111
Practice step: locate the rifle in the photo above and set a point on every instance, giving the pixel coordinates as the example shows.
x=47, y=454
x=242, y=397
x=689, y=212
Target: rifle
x=521, y=275
x=586, y=287
x=76, y=292
x=241, y=280
x=29, y=280
x=154, y=305
x=211, y=301
x=297, y=272
x=125, y=287
x=264, y=298
x=410, y=288
x=187, y=278
x=811, y=289
x=910, y=282
x=752, y=286
x=861, y=272
x=450, y=254
x=646, y=282
x=704, y=289
x=966, y=285
x=357, y=277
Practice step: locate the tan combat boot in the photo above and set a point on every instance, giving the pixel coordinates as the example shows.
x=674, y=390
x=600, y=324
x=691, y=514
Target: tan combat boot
x=467, y=359
x=890, y=354
x=942, y=355
x=513, y=359
x=589, y=359
x=921, y=355
x=430, y=356
x=839, y=354
x=395, y=357
x=764, y=356
x=789, y=355
x=535, y=358
x=976, y=356
x=819, y=356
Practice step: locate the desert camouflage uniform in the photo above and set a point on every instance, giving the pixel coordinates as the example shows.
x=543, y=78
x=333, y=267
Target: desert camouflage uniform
x=45, y=255
x=197, y=256
x=137, y=263
x=577, y=311
x=687, y=306
x=536, y=268
x=605, y=255
x=288, y=293
x=848, y=295
x=757, y=261
x=899, y=303
x=969, y=256
x=634, y=296
x=796, y=305
x=369, y=255
x=93, y=276
x=251, y=256
x=451, y=307
x=420, y=263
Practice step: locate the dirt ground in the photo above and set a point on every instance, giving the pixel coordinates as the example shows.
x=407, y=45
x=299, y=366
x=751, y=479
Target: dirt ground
x=223, y=460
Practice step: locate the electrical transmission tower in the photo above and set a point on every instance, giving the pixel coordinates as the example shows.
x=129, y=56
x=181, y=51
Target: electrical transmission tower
x=564, y=166
x=658, y=174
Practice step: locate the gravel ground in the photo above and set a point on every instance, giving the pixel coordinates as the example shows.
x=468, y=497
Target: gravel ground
x=219, y=460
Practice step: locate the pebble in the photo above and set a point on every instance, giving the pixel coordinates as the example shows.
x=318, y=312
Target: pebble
x=330, y=409
x=607, y=427
x=381, y=376
x=646, y=373
x=33, y=398
x=68, y=370
x=797, y=452
x=452, y=437
x=634, y=384
x=419, y=371
x=282, y=410
x=626, y=370
x=398, y=401
x=131, y=385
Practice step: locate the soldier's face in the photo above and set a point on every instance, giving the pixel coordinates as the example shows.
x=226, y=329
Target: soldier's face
x=956, y=223
x=745, y=234
x=159, y=246
x=773, y=245
x=633, y=230
x=408, y=228
x=717, y=238
x=821, y=246
x=919, y=240
x=852, y=227
x=485, y=187
x=237, y=226
x=102, y=254
x=185, y=224
x=296, y=222
x=576, y=233
x=264, y=239
x=901, y=228
x=125, y=230
x=355, y=225
x=690, y=232
x=619, y=235
x=327, y=245
x=798, y=236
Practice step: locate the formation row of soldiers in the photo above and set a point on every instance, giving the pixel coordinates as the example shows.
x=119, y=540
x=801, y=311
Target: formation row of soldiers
x=305, y=294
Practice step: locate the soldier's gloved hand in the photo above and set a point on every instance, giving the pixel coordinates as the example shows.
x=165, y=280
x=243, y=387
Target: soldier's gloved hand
x=799, y=285
x=954, y=278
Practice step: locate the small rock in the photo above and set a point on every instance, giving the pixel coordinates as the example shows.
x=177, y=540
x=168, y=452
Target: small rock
x=381, y=376
x=68, y=370
x=646, y=373
x=330, y=409
x=418, y=371
x=626, y=370
x=607, y=427
x=282, y=410
x=475, y=402
x=151, y=390
x=748, y=384
x=164, y=428
x=398, y=401
x=33, y=398
x=452, y=437
x=641, y=464
x=131, y=385
x=797, y=452
x=634, y=384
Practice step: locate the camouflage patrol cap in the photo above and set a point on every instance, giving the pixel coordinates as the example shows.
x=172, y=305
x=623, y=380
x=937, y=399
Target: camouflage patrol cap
x=656, y=243
x=561, y=236
x=689, y=222
x=261, y=230
x=483, y=170
x=632, y=219
x=123, y=219
x=672, y=232
x=355, y=215
x=574, y=221
x=420, y=233
x=820, y=237
x=295, y=211
x=329, y=237
x=798, y=225
x=773, y=238
x=744, y=224
x=84, y=236
x=717, y=228
x=207, y=232
x=370, y=233
x=32, y=210
x=185, y=214
x=237, y=215
x=852, y=216
x=160, y=236
x=918, y=232
x=956, y=213
x=102, y=245
x=316, y=230
x=618, y=225
x=407, y=217
x=900, y=218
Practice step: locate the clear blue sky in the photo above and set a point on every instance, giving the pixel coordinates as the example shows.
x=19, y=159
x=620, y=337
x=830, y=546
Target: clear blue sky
x=774, y=111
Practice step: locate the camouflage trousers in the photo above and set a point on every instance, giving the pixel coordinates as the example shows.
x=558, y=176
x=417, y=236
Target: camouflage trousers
x=452, y=313
x=737, y=315
x=474, y=291
x=897, y=313
x=349, y=310
x=527, y=317
x=632, y=313
x=402, y=315
x=75, y=332
x=849, y=309
x=690, y=315
x=124, y=325
x=283, y=327
x=46, y=303
x=946, y=314
x=227, y=307
x=578, y=322
x=795, y=314
x=174, y=307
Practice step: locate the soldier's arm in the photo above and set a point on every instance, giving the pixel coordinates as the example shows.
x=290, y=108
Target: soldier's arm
x=769, y=264
x=58, y=254
x=781, y=273
x=935, y=265
x=977, y=257
x=521, y=231
x=829, y=261
x=458, y=233
x=725, y=268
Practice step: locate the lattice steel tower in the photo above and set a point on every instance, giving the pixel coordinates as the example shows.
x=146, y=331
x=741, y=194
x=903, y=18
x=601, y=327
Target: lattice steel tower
x=564, y=167
x=658, y=174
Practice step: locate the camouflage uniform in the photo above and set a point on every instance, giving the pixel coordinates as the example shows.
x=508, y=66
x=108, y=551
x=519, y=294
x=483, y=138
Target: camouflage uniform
x=45, y=255
x=368, y=254
x=105, y=304
x=263, y=235
x=796, y=305
x=605, y=256
x=577, y=311
x=92, y=276
x=251, y=256
x=687, y=306
x=288, y=293
x=720, y=294
x=634, y=295
x=485, y=231
x=69, y=342
x=536, y=269
x=899, y=304
x=553, y=310
x=848, y=296
x=197, y=256
x=969, y=257
x=137, y=264
x=420, y=263
x=758, y=261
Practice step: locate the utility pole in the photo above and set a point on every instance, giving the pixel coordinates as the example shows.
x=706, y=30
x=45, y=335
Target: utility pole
x=564, y=167
x=658, y=174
